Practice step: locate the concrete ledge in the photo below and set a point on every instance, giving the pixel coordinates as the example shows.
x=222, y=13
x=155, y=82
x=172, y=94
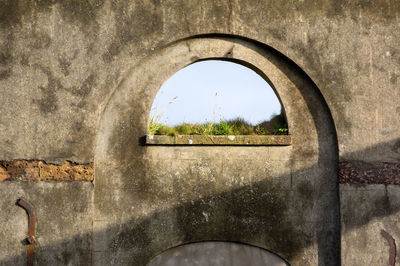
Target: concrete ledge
x=241, y=140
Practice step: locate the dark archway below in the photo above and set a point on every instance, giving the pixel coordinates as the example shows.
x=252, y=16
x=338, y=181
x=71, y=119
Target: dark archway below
x=217, y=254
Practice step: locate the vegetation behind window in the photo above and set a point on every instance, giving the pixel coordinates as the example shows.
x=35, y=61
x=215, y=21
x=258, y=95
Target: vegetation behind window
x=216, y=98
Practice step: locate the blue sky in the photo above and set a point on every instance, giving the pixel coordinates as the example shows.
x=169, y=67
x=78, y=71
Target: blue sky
x=213, y=90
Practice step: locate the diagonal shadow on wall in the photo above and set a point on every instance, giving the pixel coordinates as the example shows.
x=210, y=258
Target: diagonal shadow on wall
x=232, y=202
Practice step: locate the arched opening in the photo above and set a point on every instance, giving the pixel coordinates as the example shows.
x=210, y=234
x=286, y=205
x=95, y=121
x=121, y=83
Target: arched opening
x=217, y=97
x=282, y=199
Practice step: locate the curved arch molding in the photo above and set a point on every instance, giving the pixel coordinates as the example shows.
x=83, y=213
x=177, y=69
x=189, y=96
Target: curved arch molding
x=151, y=198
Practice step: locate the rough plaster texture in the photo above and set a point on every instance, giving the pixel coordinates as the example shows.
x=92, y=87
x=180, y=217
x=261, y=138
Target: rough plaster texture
x=64, y=213
x=65, y=68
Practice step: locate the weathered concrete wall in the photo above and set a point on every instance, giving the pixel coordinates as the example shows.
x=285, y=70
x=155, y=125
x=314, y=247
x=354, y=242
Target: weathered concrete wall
x=63, y=62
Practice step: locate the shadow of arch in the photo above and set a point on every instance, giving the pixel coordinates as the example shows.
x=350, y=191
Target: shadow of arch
x=146, y=184
x=58, y=252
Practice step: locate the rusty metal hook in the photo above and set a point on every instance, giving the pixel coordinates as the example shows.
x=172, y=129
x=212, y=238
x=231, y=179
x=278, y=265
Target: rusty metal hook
x=392, y=247
x=31, y=229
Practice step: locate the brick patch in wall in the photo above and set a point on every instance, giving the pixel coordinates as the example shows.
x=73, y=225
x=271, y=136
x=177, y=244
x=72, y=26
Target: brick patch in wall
x=369, y=173
x=35, y=170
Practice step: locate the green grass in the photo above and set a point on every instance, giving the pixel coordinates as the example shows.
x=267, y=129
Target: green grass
x=275, y=126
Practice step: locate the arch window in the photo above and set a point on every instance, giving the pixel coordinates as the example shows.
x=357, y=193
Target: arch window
x=216, y=98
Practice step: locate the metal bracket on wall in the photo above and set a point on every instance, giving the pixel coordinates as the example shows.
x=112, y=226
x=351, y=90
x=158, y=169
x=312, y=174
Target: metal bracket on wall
x=31, y=229
x=392, y=247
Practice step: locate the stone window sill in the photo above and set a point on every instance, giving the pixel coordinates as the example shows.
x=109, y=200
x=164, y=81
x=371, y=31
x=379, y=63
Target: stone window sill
x=207, y=140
